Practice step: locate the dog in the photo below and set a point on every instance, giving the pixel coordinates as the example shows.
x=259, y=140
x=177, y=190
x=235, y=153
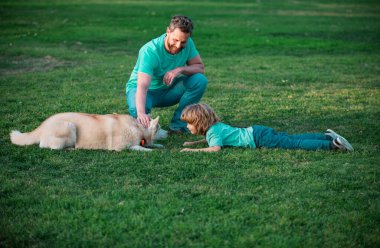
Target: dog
x=91, y=131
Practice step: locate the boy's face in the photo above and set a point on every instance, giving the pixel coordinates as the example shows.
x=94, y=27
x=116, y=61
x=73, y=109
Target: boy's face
x=191, y=128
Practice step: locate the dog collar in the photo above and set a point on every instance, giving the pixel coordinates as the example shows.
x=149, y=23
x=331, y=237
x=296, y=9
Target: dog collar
x=142, y=142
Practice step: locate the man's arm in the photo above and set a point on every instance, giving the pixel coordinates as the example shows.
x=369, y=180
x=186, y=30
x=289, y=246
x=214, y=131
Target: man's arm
x=194, y=65
x=143, y=83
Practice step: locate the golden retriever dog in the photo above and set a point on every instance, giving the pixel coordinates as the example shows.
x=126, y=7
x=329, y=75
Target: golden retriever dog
x=91, y=131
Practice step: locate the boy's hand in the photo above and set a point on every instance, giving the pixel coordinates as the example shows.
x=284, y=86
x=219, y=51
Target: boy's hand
x=186, y=150
x=191, y=143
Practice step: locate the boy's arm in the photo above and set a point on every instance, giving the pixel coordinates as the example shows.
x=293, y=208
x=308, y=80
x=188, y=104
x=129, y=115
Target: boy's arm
x=208, y=149
x=190, y=143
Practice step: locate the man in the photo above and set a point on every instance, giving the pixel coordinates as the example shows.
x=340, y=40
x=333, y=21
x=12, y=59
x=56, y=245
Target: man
x=169, y=70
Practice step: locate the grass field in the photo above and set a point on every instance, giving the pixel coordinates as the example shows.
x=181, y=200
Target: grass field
x=297, y=66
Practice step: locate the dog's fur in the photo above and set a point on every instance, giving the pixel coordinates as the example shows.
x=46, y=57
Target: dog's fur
x=91, y=131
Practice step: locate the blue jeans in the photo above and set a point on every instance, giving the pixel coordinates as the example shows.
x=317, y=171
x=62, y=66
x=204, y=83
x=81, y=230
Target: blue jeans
x=269, y=138
x=185, y=90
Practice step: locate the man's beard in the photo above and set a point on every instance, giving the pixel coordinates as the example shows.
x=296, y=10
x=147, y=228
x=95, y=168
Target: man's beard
x=173, y=49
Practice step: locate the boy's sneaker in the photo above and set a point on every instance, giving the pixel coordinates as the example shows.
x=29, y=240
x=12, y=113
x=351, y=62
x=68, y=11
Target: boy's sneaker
x=342, y=140
x=342, y=144
x=331, y=134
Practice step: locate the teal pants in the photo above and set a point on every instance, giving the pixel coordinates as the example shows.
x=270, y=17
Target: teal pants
x=185, y=90
x=269, y=138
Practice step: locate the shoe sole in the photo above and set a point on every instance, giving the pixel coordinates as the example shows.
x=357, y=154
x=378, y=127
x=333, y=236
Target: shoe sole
x=342, y=140
x=346, y=144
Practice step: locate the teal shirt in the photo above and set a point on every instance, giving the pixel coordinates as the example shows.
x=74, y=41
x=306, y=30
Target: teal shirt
x=155, y=61
x=221, y=134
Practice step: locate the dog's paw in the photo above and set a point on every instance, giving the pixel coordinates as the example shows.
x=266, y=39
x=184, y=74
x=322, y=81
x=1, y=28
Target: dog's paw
x=158, y=146
x=140, y=148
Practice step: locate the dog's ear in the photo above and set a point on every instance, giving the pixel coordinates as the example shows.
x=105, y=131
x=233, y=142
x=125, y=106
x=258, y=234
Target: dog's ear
x=154, y=122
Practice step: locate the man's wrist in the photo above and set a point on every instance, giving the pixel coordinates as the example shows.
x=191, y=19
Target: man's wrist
x=180, y=70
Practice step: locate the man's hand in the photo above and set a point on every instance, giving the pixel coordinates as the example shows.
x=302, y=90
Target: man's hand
x=193, y=66
x=143, y=119
x=171, y=75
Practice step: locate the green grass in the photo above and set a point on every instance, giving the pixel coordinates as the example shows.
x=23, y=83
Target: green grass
x=297, y=66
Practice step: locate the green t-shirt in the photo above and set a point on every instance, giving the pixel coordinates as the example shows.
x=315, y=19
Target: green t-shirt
x=221, y=134
x=155, y=61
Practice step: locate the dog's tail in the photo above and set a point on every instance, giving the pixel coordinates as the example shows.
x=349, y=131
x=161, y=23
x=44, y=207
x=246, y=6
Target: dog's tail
x=24, y=139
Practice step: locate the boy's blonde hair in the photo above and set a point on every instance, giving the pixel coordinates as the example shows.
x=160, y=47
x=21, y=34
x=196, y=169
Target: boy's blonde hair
x=201, y=116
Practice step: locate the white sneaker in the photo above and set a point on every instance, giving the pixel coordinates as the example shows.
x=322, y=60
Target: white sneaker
x=342, y=144
x=343, y=141
x=331, y=133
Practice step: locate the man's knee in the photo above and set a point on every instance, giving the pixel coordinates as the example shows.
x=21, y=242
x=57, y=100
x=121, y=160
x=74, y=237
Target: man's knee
x=132, y=112
x=131, y=103
x=201, y=78
x=199, y=81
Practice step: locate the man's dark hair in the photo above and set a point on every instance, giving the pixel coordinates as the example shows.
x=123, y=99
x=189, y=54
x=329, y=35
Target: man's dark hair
x=182, y=22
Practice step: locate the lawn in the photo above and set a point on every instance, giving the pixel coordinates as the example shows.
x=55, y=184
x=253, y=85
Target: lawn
x=297, y=66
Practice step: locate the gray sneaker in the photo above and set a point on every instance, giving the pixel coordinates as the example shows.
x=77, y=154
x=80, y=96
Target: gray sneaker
x=331, y=134
x=342, y=144
x=181, y=130
x=334, y=136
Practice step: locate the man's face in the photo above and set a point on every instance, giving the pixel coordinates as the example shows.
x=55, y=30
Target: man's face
x=175, y=40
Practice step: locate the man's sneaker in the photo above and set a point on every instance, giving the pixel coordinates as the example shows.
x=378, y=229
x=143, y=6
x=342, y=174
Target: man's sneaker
x=342, y=144
x=334, y=136
x=161, y=134
x=178, y=131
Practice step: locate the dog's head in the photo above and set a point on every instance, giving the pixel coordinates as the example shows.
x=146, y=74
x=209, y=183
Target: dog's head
x=155, y=131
